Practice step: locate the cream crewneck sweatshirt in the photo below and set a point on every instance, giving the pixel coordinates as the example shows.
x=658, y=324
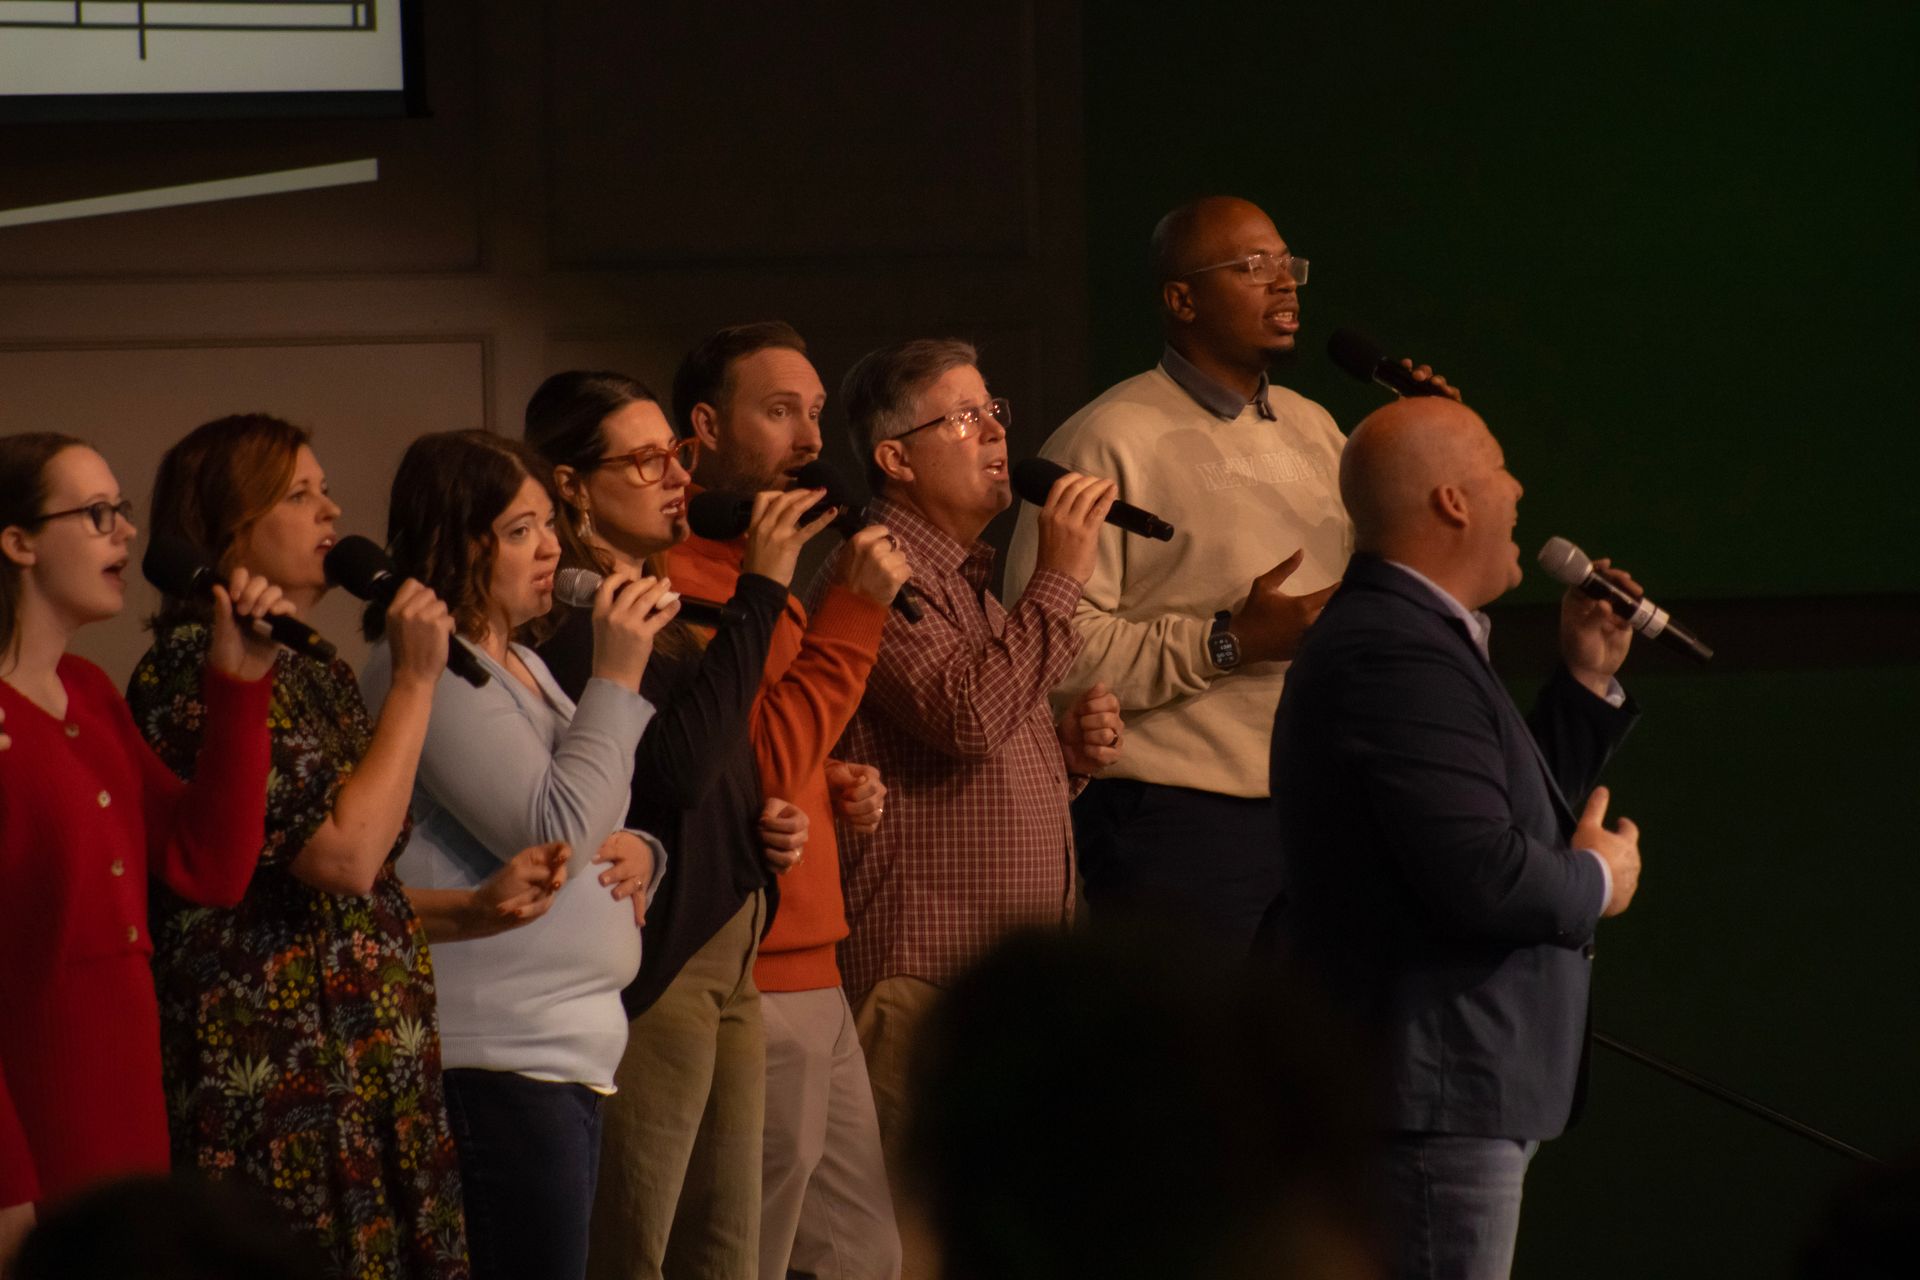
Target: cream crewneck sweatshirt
x=1243, y=495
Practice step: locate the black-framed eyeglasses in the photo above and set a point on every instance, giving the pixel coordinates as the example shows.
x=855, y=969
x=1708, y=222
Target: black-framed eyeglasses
x=100, y=514
x=963, y=423
x=1260, y=268
x=650, y=462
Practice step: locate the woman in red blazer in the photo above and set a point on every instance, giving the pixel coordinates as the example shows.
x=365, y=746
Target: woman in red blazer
x=87, y=812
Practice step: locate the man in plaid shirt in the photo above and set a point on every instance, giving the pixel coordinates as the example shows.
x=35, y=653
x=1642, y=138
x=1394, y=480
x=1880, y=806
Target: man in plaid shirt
x=977, y=838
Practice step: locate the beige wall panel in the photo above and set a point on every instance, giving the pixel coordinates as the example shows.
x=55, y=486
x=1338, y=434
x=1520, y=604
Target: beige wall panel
x=363, y=402
x=694, y=132
x=650, y=355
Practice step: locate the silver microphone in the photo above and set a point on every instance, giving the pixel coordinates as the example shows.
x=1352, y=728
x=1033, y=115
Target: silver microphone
x=577, y=587
x=1567, y=563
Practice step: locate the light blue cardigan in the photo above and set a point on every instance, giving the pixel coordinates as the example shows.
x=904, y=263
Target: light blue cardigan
x=503, y=769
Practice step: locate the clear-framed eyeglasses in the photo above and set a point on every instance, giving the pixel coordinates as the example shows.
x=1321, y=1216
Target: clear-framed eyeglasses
x=1261, y=268
x=650, y=462
x=962, y=424
x=99, y=514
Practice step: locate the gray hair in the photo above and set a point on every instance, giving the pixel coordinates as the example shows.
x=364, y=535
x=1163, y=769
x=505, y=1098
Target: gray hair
x=880, y=389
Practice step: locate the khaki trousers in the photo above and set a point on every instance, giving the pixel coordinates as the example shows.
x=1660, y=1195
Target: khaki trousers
x=889, y=1022
x=679, y=1192
x=826, y=1212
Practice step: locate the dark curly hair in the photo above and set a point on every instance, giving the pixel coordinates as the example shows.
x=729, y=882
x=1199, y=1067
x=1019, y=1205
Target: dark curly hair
x=450, y=488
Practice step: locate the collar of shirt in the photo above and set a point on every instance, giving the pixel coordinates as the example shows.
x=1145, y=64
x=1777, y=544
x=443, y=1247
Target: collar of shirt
x=1479, y=625
x=1220, y=401
x=933, y=552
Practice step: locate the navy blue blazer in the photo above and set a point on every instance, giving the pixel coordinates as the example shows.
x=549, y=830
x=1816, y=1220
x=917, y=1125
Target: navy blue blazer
x=1432, y=885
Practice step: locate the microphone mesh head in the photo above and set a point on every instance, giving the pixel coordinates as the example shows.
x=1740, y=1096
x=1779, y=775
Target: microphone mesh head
x=355, y=564
x=1034, y=478
x=819, y=475
x=1564, y=562
x=718, y=515
x=1355, y=353
x=576, y=587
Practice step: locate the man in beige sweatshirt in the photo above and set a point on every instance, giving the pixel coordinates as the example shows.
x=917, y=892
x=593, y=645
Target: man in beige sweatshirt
x=1194, y=635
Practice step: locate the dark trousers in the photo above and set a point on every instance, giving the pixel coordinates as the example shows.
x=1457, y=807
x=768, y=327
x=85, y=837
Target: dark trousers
x=1196, y=859
x=529, y=1158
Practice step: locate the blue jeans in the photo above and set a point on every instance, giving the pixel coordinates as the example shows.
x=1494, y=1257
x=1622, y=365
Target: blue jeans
x=1456, y=1204
x=529, y=1158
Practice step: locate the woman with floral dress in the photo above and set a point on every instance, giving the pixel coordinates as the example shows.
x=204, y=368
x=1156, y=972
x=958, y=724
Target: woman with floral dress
x=299, y=1036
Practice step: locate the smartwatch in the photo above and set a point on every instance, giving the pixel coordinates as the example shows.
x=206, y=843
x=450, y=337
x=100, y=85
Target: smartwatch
x=1222, y=645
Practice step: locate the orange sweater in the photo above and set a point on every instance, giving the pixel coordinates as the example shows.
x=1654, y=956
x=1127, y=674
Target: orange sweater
x=816, y=673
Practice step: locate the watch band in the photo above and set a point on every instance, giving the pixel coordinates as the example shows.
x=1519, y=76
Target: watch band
x=1223, y=647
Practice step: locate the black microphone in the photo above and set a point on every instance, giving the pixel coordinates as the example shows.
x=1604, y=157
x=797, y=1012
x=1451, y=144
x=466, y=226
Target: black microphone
x=182, y=569
x=364, y=571
x=1360, y=357
x=718, y=515
x=1034, y=478
x=851, y=519
x=576, y=587
x=852, y=515
x=1569, y=564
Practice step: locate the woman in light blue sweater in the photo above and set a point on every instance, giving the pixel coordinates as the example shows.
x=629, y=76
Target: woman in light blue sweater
x=531, y=1024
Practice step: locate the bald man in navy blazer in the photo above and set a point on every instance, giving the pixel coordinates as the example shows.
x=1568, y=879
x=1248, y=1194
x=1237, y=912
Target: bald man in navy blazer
x=1448, y=864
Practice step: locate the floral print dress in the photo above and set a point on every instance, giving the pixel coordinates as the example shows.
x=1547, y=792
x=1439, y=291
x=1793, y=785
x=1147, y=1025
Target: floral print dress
x=299, y=1045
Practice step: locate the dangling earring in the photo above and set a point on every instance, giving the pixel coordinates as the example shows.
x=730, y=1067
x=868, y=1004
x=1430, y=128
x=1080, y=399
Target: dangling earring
x=586, y=524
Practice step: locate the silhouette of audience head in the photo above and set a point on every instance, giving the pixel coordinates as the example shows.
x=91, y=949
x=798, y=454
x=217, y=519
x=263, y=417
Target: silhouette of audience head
x=1124, y=1103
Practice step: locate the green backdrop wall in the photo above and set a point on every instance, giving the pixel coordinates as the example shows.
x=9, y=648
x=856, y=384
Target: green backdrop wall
x=1667, y=249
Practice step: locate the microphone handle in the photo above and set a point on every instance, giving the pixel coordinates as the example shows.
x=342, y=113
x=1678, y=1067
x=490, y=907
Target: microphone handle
x=298, y=636
x=1132, y=519
x=461, y=660
x=1646, y=617
x=465, y=663
x=851, y=521
x=1687, y=642
x=710, y=613
x=1396, y=377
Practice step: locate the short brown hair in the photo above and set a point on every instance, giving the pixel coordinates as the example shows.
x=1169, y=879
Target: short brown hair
x=450, y=488
x=213, y=485
x=23, y=492
x=878, y=392
x=705, y=376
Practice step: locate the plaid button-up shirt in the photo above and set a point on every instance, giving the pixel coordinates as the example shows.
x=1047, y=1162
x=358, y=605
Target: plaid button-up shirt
x=976, y=839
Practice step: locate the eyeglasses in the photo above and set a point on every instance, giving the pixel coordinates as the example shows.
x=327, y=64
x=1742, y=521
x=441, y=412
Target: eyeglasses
x=963, y=423
x=1261, y=268
x=100, y=514
x=650, y=463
